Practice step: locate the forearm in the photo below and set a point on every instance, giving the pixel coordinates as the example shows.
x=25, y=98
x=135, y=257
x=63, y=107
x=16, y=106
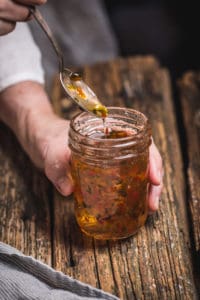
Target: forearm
x=25, y=108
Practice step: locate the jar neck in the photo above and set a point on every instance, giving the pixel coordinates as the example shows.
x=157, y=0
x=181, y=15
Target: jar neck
x=88, y=139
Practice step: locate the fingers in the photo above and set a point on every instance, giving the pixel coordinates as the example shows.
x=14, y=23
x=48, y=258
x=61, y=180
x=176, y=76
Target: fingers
x=15, y=11
x=154, y=197
x=155, y=178
x=31, y=2
x=156, y=166
x=6, y=27
x=10, y=11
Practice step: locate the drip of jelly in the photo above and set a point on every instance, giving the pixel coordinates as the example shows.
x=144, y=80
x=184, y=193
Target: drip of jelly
x=107, y=132
x=105, y=127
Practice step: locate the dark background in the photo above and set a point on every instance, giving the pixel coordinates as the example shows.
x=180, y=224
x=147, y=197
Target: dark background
x=168, y=29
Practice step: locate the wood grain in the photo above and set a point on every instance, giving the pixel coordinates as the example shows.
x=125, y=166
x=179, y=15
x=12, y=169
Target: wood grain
x=190, y=102
x=24, y=204
x=156, y=262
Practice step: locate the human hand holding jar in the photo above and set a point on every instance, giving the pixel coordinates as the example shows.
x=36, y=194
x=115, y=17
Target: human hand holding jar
x=56, y=157
x=44, y=136
x=115, y=175
x=111, y=170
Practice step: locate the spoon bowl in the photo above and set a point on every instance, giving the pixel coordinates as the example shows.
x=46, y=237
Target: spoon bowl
x=81, y=93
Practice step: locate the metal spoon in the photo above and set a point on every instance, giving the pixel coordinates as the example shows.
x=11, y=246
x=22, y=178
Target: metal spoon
x=72, y=82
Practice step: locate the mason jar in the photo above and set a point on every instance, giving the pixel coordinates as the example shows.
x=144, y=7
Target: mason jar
x=110, y=166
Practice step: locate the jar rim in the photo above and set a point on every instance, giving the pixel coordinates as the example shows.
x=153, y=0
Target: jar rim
x=111, y=109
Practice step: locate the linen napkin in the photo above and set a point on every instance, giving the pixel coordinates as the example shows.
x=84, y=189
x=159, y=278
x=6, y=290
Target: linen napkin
x=23, y=277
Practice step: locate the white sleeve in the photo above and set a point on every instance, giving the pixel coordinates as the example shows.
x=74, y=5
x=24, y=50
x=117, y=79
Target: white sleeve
x=20, y=58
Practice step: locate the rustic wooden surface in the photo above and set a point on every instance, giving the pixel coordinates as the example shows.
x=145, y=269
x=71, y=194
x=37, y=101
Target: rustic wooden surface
x=24, y=204
x=190, y=103
x=157, y=263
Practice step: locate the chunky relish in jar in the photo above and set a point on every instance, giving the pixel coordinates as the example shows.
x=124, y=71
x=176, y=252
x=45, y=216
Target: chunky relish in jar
x=110, y=172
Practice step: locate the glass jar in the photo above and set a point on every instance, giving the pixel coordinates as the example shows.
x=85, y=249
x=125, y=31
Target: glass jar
x=110, y=165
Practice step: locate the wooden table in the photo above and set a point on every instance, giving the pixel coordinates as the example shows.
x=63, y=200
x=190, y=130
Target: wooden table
x=162, y=260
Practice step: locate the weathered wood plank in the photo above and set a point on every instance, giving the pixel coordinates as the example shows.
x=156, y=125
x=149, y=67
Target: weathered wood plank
x=190, y=102
x=155, y=263
x=24, y=204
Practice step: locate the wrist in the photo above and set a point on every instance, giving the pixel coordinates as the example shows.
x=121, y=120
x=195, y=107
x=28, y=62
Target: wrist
x=42, y=130
x=26, y=109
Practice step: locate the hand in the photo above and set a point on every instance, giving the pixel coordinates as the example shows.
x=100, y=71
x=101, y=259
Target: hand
x=14, y=11
x=26, y=109
x=57, y=156
x=155, y=177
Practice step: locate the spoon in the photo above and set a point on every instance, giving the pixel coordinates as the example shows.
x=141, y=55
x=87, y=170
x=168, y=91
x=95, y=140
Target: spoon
x=72, y=82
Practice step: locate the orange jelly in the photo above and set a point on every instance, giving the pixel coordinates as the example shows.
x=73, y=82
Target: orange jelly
x=110, y=172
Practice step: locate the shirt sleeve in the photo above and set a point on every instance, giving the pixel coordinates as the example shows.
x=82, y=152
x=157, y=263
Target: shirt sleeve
x=20, y=58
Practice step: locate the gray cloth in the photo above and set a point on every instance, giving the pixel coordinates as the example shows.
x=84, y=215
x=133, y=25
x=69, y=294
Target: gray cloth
x=23, y=277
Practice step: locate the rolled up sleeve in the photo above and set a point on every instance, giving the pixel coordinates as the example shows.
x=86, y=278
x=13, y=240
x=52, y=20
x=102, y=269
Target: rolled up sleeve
x=20, y=58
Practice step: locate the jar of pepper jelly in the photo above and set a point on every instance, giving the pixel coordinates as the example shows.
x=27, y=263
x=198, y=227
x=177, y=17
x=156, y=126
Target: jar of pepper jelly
x=110, y=165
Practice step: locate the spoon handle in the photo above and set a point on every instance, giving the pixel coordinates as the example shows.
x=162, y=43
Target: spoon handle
x=43, y=24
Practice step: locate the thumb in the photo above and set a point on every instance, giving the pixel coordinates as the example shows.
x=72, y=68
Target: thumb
x=64, y=184
x=57, y=169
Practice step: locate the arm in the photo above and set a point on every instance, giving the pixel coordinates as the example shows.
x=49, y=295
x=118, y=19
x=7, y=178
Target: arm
x=20, y=58
x=26, y=109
